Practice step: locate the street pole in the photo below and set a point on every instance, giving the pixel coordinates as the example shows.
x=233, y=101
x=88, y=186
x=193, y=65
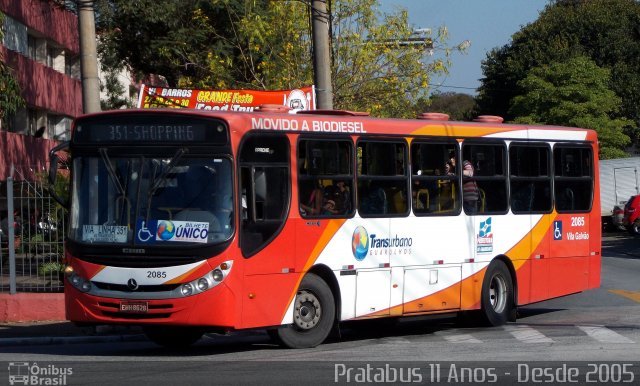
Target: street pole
x=11, y=234
x=88, y=57
x=321, y=54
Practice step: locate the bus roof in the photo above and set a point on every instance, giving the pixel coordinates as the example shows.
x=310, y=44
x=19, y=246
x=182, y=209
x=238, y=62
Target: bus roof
x=327, y=122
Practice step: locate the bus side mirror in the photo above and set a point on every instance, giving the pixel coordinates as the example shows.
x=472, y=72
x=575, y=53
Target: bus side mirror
x=54, y=162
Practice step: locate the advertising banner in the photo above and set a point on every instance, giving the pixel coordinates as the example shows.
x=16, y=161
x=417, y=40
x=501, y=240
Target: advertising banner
x=226, y=100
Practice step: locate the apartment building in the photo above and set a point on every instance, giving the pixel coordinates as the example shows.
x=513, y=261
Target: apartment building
x=41, y=45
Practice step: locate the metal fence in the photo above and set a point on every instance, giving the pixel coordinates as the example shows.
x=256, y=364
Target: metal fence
x=31, y=251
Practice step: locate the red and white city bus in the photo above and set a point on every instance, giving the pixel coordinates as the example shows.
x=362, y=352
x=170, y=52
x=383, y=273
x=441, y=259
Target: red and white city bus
x=187, y=221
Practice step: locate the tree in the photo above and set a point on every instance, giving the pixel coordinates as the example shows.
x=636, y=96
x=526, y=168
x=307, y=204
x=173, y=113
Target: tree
x=573, y=93
x=10, y=96
x=459, y=107
x=267, y=45
x=373, y=69
x=606, y=31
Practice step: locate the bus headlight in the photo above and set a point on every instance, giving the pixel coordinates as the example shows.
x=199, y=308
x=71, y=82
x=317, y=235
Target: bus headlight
x=217, y=275
x=208, y=281
x=203, y=284
x=187, y=289
x=78, y=281
x=85, y=286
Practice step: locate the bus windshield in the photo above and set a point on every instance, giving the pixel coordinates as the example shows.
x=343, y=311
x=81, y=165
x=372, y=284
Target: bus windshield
x=169, y=200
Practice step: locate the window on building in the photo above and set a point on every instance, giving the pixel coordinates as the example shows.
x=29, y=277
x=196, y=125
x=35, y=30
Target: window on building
x=31, y=47
x=72, y=65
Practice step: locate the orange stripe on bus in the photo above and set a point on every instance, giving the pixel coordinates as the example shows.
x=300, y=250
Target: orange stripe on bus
x=332, y=227
x=462, y=131
x=327, y=235
x=469, y=298
x=521, y=252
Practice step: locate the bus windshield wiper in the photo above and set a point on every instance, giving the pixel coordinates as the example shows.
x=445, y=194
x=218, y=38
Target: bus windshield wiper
x=121, y=189
x=172, y=163
x=111, y=170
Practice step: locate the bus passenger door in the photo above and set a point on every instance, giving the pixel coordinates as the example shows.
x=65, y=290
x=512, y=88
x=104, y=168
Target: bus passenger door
x=570, y=245
x=265, y=235
x=531, y=204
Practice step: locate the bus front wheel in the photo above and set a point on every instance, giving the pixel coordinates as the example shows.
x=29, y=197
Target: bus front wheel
x=497, y=294
x=172, y=336
x=313, y=314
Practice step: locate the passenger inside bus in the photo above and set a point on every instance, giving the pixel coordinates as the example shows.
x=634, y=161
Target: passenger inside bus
x=470, y=191
x=313, y=205
x=333, y=199
x=375, y=201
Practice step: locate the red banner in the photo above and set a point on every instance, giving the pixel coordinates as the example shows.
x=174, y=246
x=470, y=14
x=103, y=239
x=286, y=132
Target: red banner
x=227, y=100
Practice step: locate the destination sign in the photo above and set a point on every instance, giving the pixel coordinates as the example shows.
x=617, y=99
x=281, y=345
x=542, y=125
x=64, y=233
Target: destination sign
x=150, y=129
x=148, y=132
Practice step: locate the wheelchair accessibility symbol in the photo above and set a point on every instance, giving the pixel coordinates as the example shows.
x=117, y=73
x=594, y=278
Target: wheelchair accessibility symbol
x=557, y=230
x=144, y=234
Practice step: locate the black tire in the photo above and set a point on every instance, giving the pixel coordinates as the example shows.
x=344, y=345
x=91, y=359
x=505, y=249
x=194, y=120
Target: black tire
x=497, y=295
x=313, y=315
x=173, y=337
x=634, y=228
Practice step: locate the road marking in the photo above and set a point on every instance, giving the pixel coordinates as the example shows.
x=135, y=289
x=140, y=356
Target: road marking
x=462, y=338
x=527, y=334
x=604, y=335
x=635, y=296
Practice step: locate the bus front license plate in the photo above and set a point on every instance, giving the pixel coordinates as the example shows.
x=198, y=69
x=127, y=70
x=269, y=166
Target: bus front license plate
x=134, y=307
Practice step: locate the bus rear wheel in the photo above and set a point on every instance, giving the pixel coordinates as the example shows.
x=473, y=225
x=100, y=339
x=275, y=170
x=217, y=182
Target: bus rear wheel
x=313, y=315
x=497, y=295
x=172, y=336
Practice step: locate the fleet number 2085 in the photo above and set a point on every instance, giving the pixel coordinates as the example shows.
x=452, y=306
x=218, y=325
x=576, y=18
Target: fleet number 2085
x=577, y=221
x=156, y=274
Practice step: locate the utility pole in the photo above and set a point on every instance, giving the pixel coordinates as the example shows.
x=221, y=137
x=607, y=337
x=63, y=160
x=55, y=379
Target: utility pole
x=88, y=57
x=321, y=54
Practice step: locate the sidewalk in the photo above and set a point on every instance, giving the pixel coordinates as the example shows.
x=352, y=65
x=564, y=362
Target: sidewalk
x=55, y=332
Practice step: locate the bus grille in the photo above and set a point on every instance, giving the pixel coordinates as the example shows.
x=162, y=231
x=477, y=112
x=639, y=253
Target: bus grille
x=142, y=288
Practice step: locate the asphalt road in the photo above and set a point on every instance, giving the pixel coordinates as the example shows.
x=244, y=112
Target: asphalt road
x=594, y=336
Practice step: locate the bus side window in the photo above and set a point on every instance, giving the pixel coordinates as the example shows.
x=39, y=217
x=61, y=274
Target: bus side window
x=573, y=178
x=489, y=173
x=434, y=178
x=530, y=178
x=382, y=178
x=325, y=177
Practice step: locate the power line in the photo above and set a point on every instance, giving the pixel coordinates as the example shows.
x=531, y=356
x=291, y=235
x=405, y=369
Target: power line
x=460, y=87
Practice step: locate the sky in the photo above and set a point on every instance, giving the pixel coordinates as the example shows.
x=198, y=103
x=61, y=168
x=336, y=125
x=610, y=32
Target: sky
x=486, y=23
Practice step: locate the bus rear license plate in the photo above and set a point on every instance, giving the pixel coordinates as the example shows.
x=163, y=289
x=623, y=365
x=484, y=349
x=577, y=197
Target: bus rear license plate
x=134, y=307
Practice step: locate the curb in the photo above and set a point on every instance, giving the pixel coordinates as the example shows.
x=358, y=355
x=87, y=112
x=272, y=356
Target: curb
x=51, y=340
